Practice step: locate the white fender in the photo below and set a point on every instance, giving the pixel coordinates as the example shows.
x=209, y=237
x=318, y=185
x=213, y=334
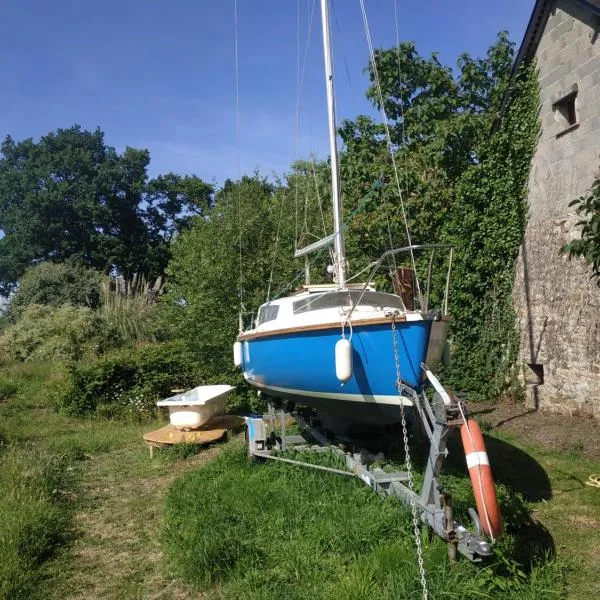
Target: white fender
x=237, y=354
x=343, y=360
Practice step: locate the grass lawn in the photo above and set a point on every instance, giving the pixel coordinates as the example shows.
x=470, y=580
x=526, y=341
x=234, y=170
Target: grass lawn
x=84, y=515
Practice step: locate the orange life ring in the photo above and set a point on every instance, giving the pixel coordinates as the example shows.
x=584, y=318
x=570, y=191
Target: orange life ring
x=481, y=477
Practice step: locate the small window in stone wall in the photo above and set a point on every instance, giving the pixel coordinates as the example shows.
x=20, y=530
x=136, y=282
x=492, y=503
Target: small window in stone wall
x=565, y=111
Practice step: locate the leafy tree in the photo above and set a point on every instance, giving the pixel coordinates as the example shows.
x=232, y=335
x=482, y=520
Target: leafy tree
x=56, y=284
x=438, y=122
x=204, y=276
x=70, y=196
x=173, y=200
x=588, y=245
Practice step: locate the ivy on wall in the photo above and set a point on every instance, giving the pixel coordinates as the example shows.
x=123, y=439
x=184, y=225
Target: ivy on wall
x=487, y=225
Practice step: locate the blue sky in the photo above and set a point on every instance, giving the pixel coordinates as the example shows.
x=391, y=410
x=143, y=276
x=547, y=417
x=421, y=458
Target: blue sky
x=160, y=75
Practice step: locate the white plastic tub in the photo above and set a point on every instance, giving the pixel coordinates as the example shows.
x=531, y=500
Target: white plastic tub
x=194, y=408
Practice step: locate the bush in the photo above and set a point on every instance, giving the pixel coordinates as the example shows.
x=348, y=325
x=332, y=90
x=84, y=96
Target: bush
x=128, y=382
x=55, y=284
x=56, y=333
x=588, y=245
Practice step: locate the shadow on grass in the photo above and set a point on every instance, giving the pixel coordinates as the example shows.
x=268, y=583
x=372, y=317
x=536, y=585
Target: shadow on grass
x=519, y=478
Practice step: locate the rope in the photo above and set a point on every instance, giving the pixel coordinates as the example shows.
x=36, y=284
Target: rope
x=388, y=137
x=314, y=173
x=299, y=84
x=297, y=132
x=593, y=481
x=403, y=155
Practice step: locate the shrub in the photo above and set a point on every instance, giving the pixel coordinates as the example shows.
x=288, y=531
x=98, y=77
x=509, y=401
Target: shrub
x=588, y=245
x=128, y=382
x=56, y=332
x=56, y=284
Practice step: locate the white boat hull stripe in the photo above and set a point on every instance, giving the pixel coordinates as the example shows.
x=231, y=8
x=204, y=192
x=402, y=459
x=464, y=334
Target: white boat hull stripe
x=393, y=400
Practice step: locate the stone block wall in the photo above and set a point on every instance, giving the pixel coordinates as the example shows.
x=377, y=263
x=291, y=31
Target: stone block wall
x=558, y=304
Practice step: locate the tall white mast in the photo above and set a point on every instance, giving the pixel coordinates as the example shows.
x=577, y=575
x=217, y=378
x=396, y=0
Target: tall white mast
x=338, y=242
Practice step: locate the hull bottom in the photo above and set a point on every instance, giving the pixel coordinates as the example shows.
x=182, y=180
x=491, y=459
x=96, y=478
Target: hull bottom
x=344, y=416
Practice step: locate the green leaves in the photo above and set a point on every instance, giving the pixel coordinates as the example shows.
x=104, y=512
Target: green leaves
x=588, y=245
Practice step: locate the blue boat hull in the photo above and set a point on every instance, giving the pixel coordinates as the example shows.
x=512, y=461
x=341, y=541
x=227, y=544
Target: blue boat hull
x=300, y=366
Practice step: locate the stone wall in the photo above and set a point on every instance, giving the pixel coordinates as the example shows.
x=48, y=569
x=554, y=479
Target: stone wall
x=557, y=303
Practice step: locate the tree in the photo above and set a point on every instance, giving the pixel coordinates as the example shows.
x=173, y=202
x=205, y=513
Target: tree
x=438, y=119
x=70, y=196
x=205, y=277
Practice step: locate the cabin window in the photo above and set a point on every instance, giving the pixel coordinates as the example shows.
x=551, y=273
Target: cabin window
x=267, y=313
x=565, y=111
x=347, y=299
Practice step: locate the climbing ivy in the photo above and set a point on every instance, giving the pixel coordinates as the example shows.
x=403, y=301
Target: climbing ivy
x=487, y=225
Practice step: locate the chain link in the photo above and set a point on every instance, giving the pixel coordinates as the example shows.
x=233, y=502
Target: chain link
x=411, y=484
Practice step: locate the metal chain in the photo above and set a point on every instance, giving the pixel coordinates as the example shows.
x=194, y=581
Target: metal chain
x=411, y=485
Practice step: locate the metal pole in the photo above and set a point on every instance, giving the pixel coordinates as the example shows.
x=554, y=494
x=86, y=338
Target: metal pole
x=340, y=257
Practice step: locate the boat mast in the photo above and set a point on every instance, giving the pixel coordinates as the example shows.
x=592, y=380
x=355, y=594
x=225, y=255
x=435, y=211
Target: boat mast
x=338, y=242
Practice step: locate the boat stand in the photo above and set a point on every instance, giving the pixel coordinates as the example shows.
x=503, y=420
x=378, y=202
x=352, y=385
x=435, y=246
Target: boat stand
x=433, y=505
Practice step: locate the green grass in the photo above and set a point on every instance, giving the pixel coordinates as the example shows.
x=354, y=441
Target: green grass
x=35, y=516
x=271, y=531
x=80, y=500
x=82, y=509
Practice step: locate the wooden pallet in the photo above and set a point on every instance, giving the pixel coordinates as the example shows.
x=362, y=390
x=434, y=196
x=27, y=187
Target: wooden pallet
x=212, y=431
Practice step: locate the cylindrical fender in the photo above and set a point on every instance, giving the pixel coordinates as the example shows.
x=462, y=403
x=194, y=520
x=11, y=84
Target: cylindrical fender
x=481, y=477
x=237, y=354
x=343, y=360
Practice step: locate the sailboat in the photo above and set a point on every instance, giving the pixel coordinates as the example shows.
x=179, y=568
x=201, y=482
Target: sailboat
x=346, y=349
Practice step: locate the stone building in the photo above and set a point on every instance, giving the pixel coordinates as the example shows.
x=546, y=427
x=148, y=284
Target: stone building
x=557, y=302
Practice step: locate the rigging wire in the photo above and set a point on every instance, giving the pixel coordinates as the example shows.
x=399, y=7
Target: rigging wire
x=238, y=161
x=297, y=132
x=389, y=139
x=314, y=173
x=300, y=73
x=402, y=124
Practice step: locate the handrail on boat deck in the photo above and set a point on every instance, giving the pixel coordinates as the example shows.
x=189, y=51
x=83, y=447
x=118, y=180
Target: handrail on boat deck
x=411, y=248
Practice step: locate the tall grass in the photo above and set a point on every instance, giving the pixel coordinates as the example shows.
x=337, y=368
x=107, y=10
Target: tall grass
x=128, y=306
x=35, y=516
x=274, y=531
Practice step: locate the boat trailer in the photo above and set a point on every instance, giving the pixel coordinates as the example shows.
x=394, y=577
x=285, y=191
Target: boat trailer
x=433, y=505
